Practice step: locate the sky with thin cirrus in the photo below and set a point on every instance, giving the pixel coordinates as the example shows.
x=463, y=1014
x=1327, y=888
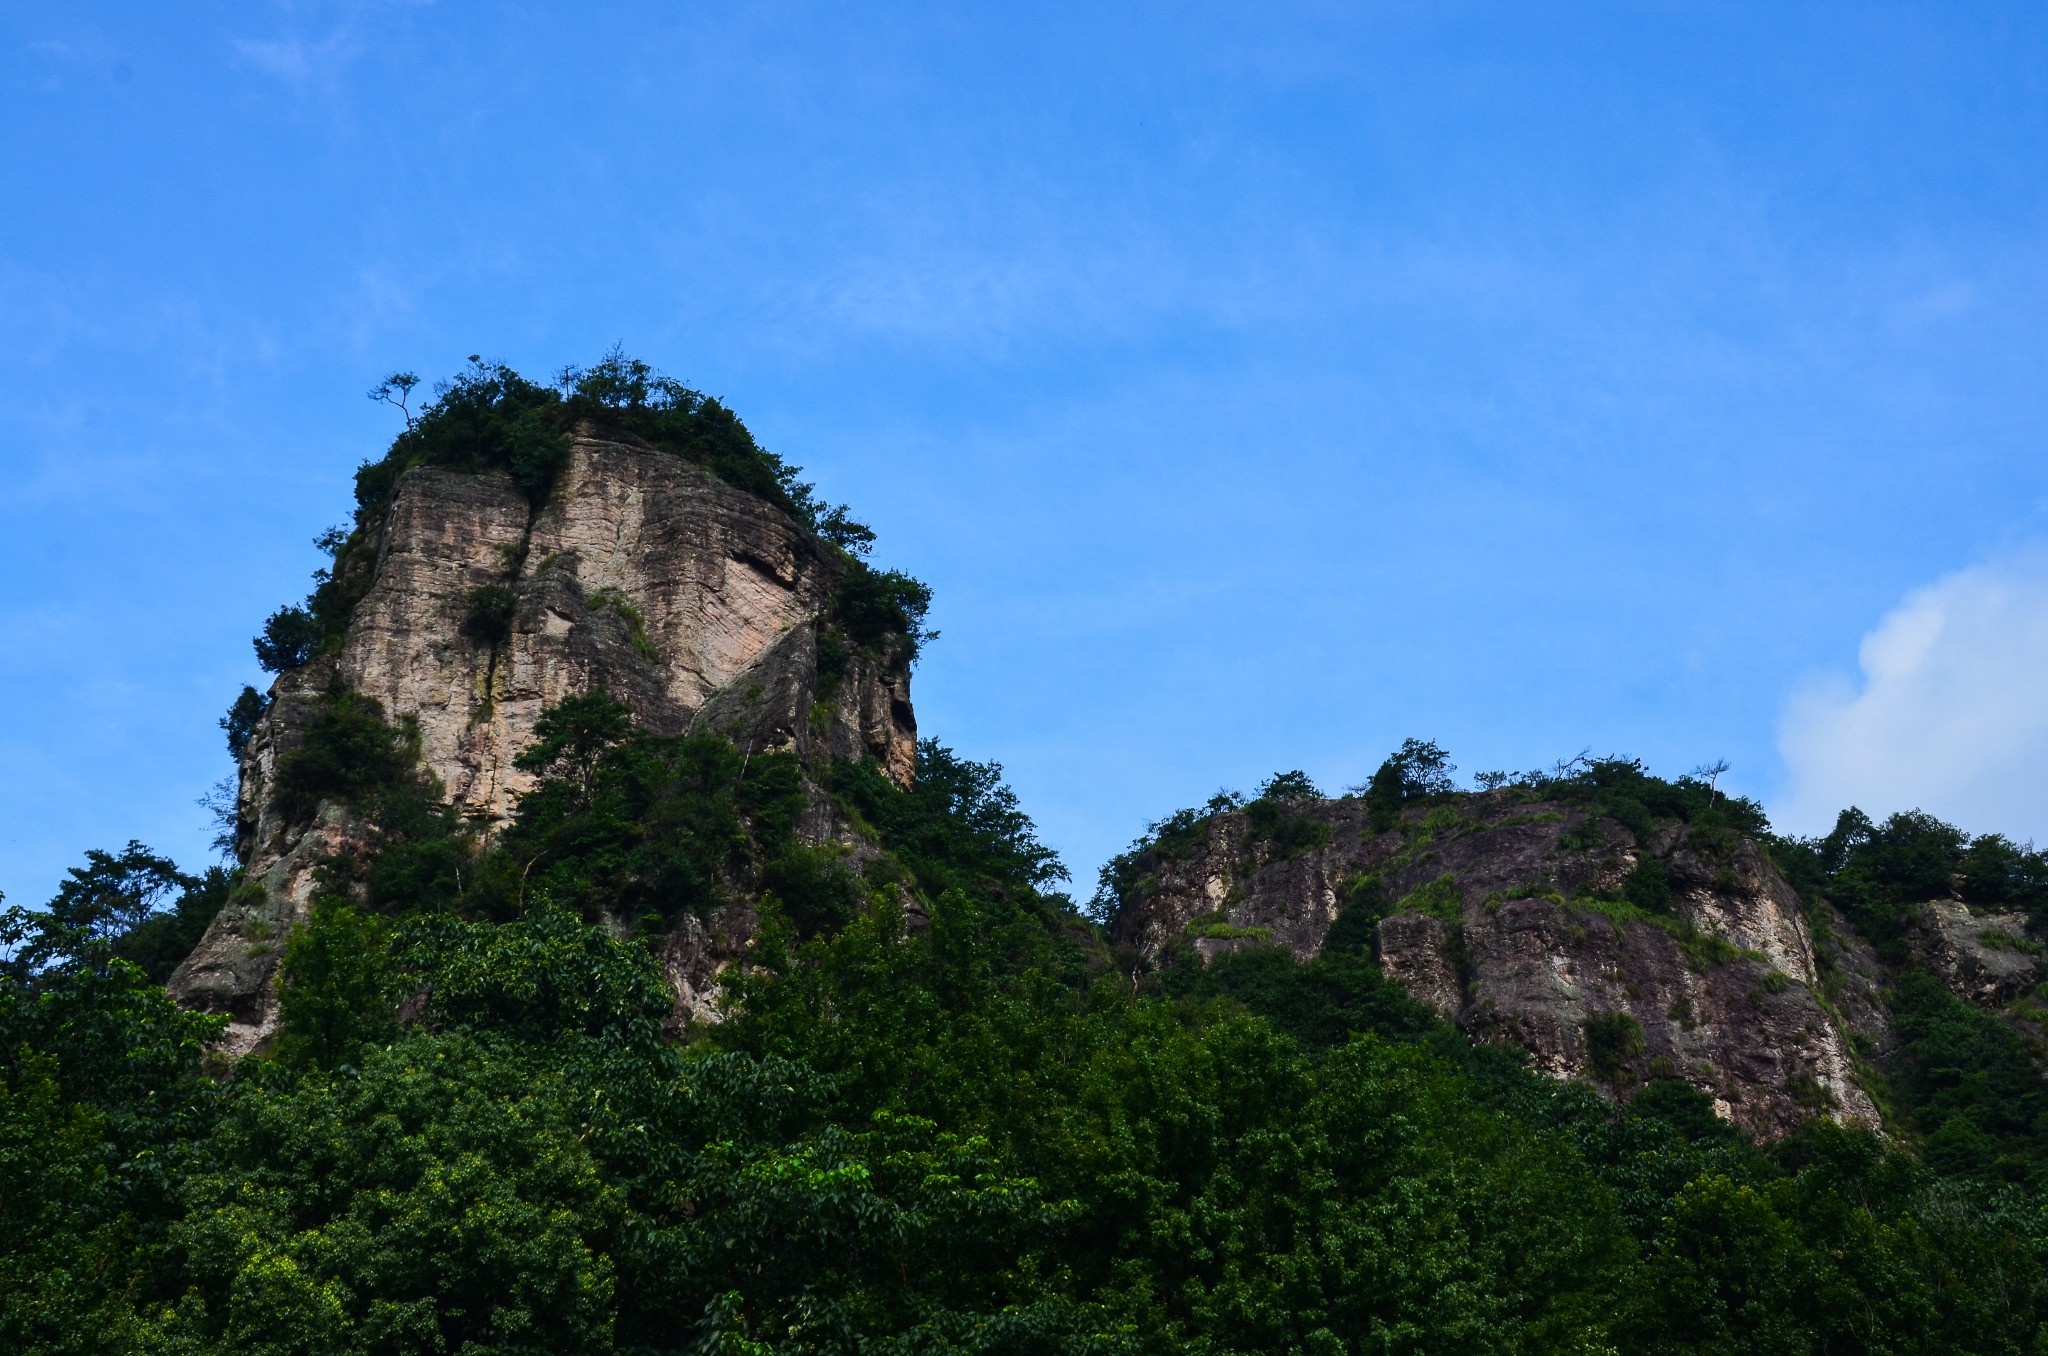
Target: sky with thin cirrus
x=1256, y=385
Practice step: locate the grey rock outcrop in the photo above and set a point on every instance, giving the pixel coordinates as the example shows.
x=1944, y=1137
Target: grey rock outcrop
x=1494, y=912
x=1986, y=957
x=696, y=603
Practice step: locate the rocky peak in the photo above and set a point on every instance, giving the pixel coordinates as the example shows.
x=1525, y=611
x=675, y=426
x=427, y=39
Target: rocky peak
x=698, y=604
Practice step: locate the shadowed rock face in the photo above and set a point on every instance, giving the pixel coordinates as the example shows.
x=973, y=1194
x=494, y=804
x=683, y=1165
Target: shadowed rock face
x=1492, y=916
x=695, y=603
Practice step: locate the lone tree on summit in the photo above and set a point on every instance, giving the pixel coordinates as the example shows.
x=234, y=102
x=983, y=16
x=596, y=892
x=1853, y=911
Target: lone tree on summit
x=395, y=391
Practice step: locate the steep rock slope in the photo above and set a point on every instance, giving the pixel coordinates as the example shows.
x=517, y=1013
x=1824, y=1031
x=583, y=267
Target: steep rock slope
x=1511, y=919
x=698, y=604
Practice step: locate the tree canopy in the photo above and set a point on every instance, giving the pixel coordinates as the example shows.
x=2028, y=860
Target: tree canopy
x=933, y=1119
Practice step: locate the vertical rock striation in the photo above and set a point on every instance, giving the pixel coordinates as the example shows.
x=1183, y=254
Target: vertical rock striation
x=697, y=604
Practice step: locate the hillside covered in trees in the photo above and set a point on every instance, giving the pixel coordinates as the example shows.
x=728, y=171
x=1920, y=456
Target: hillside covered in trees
x=728, y=1027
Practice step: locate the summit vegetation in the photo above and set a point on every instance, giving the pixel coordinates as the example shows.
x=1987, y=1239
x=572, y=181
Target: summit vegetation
x=490, y=419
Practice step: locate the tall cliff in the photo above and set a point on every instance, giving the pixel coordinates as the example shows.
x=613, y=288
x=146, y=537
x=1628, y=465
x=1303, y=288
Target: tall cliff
x=1611, y=954
x=700, y=605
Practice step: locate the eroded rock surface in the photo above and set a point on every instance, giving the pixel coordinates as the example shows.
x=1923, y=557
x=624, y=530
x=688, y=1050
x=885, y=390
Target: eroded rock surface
x=1984, y=956
x=697, y=604
x=1507, y=918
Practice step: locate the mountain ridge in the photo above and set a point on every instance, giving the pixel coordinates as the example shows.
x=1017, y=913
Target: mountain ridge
x=608, y=972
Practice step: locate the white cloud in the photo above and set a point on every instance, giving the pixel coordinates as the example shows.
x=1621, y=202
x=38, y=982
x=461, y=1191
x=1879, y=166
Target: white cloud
x=1951, y=716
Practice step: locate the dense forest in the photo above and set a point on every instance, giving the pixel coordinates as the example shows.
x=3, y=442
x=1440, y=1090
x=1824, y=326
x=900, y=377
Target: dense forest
x=942, y=1112
x=953, y=1127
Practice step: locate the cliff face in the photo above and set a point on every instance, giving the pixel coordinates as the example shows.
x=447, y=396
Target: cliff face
x=697, y=604
x=1504, y=916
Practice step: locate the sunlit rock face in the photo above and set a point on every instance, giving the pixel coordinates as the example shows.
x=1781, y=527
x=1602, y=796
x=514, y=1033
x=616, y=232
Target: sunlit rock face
x=695, y=603
x=1492, y=916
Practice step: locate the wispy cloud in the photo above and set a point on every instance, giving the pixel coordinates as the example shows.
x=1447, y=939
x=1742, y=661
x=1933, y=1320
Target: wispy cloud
x=300, y=66
x=1951, y=715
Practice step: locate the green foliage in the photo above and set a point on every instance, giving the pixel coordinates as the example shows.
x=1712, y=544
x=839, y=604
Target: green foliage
x=1276, y=818
x=814, y=889
x=1321, y=1003
x=1702, y=950
x=1969, y=1085
x=956, y=827
x=1878, y=874
x=293, y=635
x=350, y=754
x=1998, y=939
x=289, y=638
x=1623, y=790
x=1788, y=1265
x=158, y=941
x=442, y=1197
x=537, y=978
x=935, y=1129
x=1648, y=885
x=487, y=613
x=1418, y=771
x=491, y=418
x=625, y=393
x=834, y=654
x=875, y=607
x=1998, y=874
x=1586, y=837
x=636, y=825
x=64, y=1235
x=1176, y=837
x=338, y=988
x=1968, y=1082
x=487, y=418
x=102, y=1110
x=1439, y=898
x=835, y=525
x=240, y=721
x=137, y=904
x=1614, y=1041
x=1364, y=902
x=110, y=895
x=570, y=736
x=1293, y=785
x=1231, y=1191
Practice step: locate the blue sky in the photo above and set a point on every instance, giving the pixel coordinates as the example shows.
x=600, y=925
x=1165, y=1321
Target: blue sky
x=1256, y=385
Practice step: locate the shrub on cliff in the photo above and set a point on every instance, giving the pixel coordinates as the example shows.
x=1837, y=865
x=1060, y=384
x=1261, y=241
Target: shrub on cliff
x=348, y=753
x=872, y=605
x=240, y=721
